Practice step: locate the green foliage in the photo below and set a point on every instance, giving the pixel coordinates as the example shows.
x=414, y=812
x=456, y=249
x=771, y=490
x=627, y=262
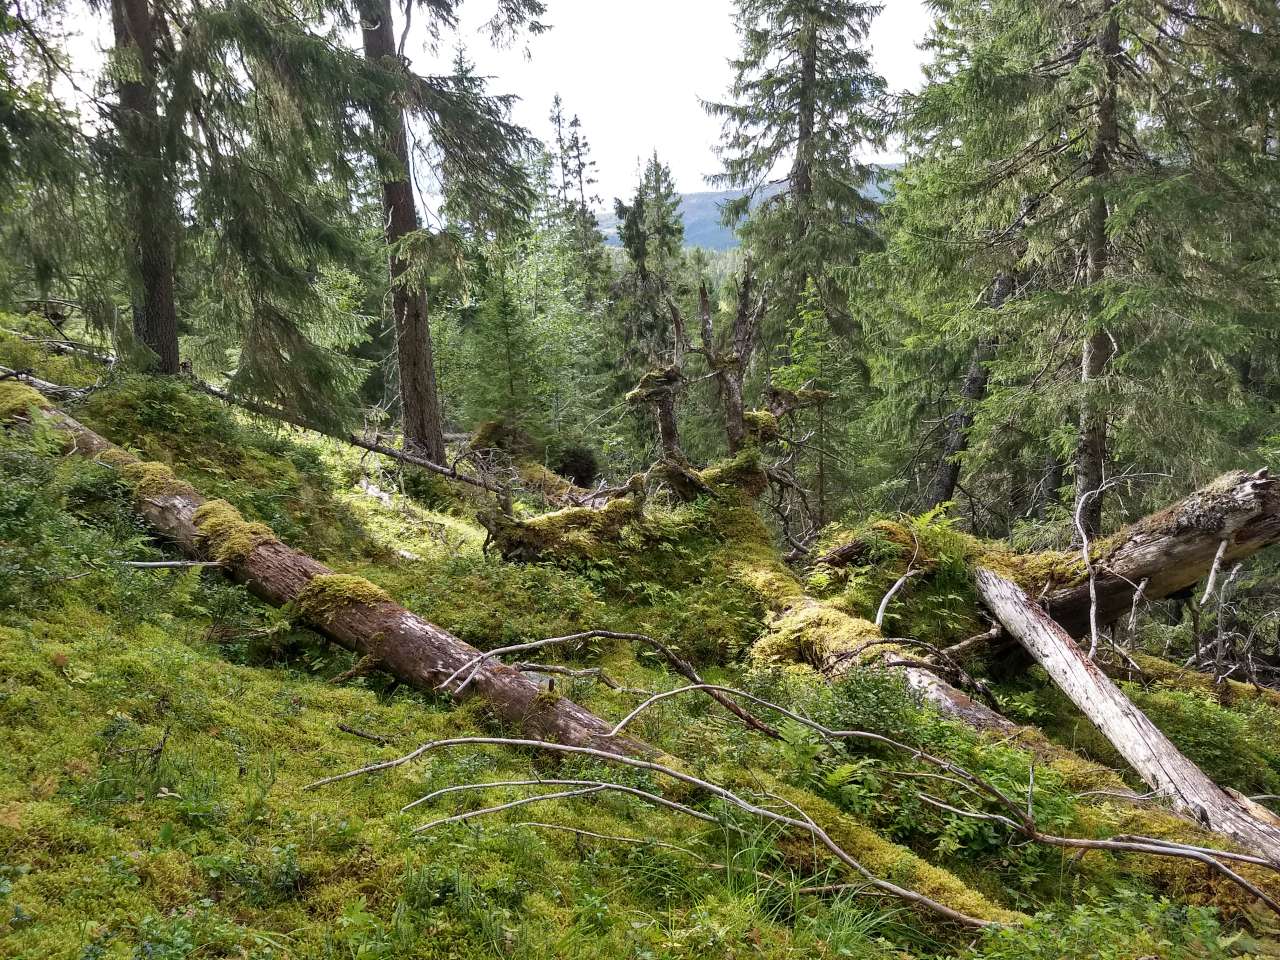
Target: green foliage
x=1125, y=928
x=804, y=93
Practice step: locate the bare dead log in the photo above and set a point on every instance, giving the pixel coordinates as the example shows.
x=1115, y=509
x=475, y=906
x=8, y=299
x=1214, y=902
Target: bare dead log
x=362, y=620
x=1151, y=754
x=1175, y=548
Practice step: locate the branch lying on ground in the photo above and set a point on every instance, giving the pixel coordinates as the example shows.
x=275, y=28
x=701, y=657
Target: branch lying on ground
x=723, y=794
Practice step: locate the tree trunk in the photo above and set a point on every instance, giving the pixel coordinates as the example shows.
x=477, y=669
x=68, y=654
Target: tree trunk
x=1091, y=454
x=414, y=651
x=731, y=370
x=1135, y=737
x=151, y=200
x=419, y=394
x=1175, y=548
x=960, y=419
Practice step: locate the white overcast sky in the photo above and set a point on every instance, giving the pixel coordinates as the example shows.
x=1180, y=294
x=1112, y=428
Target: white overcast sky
x=634, y=71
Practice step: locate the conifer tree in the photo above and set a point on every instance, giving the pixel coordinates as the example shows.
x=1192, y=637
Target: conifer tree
x=806, y=100
x=476, y=154
x=652, y=235
x=1113, y=156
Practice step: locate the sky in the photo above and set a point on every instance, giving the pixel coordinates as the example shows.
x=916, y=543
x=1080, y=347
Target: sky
x=634, y=70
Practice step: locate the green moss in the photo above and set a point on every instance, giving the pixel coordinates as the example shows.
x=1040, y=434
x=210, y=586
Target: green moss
x=228, y=536
x=762, y=426
x=889, y=860
x=653, y=384
x=816, y=633
x=150, y=479
x=1162, y=673
x=325, y=595
x=571, y=533
x=743, y=474
x=19, y=398
x=1034, y=572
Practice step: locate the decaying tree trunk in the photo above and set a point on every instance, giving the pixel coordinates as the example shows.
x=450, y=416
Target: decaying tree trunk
x=658, y=389
x=1151, y=754
x=1173, y=549
x=730, y=364
x=354, y=613
x=960, y=420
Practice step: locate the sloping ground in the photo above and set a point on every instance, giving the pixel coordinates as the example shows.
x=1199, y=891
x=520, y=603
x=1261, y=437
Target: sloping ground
x=163, y=726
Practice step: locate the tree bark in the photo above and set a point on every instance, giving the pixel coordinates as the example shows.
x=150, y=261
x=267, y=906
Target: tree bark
x=414, y=651
x=419, y=393
x=1173, y=549
x=1151, y=754
x=1091, y=454
x=730, y=368
x=960, y=420
x=151, y=200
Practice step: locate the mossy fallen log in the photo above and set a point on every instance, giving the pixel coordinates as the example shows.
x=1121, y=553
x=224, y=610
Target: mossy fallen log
x=1163, y=553
x=348, y=610
x=1174, y=548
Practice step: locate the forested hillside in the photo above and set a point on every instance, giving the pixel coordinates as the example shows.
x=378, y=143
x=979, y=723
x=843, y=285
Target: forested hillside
x=391, y=566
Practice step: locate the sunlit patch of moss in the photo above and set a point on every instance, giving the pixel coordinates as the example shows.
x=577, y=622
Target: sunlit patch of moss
x=228, y=536
x=815, y=633
x=1034, y=572
x=65, y=370
x=571, y=533
x=151, y=480
x=1228, y=692
x=327, y=594
x=18, y=398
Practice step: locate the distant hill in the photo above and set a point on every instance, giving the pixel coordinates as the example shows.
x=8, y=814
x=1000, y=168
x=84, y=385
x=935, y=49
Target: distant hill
x=701, y=213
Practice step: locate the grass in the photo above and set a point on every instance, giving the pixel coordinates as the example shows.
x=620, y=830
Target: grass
x=166, y=726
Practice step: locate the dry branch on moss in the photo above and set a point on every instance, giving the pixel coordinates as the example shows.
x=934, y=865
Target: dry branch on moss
x=803, y=823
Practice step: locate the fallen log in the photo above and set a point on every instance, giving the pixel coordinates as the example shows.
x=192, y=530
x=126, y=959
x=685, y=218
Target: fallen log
x=1173, y=549
x=1151, y=754
x=349, y=610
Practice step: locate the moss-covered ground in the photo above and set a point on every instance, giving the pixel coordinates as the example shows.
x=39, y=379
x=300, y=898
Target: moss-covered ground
x=163, y=727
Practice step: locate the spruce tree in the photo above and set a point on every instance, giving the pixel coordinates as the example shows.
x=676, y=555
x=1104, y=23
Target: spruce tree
x=652, y=235
x=476, y=156
x=806, y=100
x=1115, y=159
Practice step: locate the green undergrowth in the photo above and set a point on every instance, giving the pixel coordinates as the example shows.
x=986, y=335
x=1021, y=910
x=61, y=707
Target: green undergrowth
x=938, y=600
x=166, y=725
x=1235, y=743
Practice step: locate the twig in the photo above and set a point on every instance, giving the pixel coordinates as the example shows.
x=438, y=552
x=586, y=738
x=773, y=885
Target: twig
x=372, y=737
x=601, y=784
x=715, y=790
x=1213, y=572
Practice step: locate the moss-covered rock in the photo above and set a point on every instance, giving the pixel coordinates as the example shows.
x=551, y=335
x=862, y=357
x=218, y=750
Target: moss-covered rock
x=327, y=594
x=19, y=398
x=228, y=536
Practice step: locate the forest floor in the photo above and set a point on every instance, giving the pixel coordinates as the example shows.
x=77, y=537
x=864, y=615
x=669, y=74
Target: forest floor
x=163, y=725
